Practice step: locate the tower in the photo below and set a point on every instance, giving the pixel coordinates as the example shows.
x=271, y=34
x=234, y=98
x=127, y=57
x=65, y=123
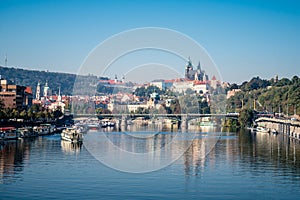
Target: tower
x=199, y=67
x=59, y=96
x=46, y=89
x=38, y=91
x=188, y=68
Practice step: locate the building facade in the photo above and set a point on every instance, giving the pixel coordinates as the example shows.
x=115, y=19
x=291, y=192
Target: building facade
x=15, y=96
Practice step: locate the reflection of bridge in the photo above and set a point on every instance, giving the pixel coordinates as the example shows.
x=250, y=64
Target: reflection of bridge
x=183, y=118
x=192, y=115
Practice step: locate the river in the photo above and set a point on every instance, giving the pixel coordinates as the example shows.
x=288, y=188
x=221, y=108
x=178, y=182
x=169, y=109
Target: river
x=213, y=165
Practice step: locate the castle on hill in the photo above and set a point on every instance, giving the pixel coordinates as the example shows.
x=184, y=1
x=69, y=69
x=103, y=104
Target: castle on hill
x=195, y=74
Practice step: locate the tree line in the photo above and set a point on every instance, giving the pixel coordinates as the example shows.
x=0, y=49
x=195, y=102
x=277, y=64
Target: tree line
x=34, y=113
x=267, y=96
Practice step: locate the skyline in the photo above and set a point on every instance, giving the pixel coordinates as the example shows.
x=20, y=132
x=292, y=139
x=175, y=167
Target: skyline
x=244, y=38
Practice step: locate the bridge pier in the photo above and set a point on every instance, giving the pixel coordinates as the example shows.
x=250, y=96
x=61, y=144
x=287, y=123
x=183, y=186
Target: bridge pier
x=123, y=125
x=184, y=122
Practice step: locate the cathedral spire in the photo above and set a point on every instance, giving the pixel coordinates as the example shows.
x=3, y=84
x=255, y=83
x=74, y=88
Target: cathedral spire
x=189, y=64
x=199, y=66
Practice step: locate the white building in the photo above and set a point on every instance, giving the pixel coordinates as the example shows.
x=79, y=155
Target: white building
x=158, y=83
x=182, y=86
x=201, y=87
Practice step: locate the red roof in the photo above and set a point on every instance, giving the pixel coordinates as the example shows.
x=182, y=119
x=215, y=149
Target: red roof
x=28, y=90
x=169, y=81
x=199, y=82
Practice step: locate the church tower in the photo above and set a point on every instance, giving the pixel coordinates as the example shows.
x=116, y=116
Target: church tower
x=59, y=95
x=46, y=90
x=38, y=91
x=188, y=68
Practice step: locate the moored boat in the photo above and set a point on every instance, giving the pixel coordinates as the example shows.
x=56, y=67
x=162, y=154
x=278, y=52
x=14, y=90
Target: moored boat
x=8, y=133
x=44, y=129
x=72, y=135
x=27, y=132
x=262, y=129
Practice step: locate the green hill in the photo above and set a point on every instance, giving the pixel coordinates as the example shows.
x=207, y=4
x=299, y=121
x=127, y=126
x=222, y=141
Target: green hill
x=267, y=95
x=31, y=77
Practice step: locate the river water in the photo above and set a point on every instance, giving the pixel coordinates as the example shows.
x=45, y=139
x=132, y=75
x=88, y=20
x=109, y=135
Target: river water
x=238, y=165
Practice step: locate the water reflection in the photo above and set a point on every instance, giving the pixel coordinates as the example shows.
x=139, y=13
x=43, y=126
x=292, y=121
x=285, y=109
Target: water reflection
x=253, y=153
x=70, y=148
x=13, y=154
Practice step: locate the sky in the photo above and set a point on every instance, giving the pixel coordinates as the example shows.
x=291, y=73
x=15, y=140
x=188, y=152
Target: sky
x=244, y=38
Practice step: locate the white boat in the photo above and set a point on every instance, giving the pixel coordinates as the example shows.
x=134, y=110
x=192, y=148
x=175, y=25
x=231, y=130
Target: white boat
x=26, y=132
x=72, y=135
x=44, y=129
x=262, y=129
x=8, y=133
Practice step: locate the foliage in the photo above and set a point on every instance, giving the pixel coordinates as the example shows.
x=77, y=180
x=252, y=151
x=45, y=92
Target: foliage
x=145, y=92
x=103, y=111
x=246, y=117
x=267, y=96
x=32, y=114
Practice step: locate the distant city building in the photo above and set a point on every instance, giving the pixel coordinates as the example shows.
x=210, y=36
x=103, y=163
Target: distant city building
x=158, y=83
x=181, y=85
x=201, y=87
x=232, y=92
x=15, y=96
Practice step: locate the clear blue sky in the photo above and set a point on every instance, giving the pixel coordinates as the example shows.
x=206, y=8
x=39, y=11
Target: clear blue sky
x=244, y=38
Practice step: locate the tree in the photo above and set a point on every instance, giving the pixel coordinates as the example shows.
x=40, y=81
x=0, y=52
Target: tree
x=23, y=114
x=246, y=117
x=233, y=86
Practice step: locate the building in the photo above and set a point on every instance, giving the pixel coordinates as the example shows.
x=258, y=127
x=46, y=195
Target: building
x=158, y=83
x=38, y=92
x=28, y=96
x=15, y=96
x=46, y=90
x=195, y=74
x=232, y=92
x=182, y=85
x=201, y=87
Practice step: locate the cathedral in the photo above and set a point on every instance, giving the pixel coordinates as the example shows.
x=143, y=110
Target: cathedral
x=195, y=74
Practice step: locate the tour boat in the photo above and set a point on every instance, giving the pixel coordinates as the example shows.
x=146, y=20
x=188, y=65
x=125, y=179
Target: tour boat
x=8, y=133
x=71, y=135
